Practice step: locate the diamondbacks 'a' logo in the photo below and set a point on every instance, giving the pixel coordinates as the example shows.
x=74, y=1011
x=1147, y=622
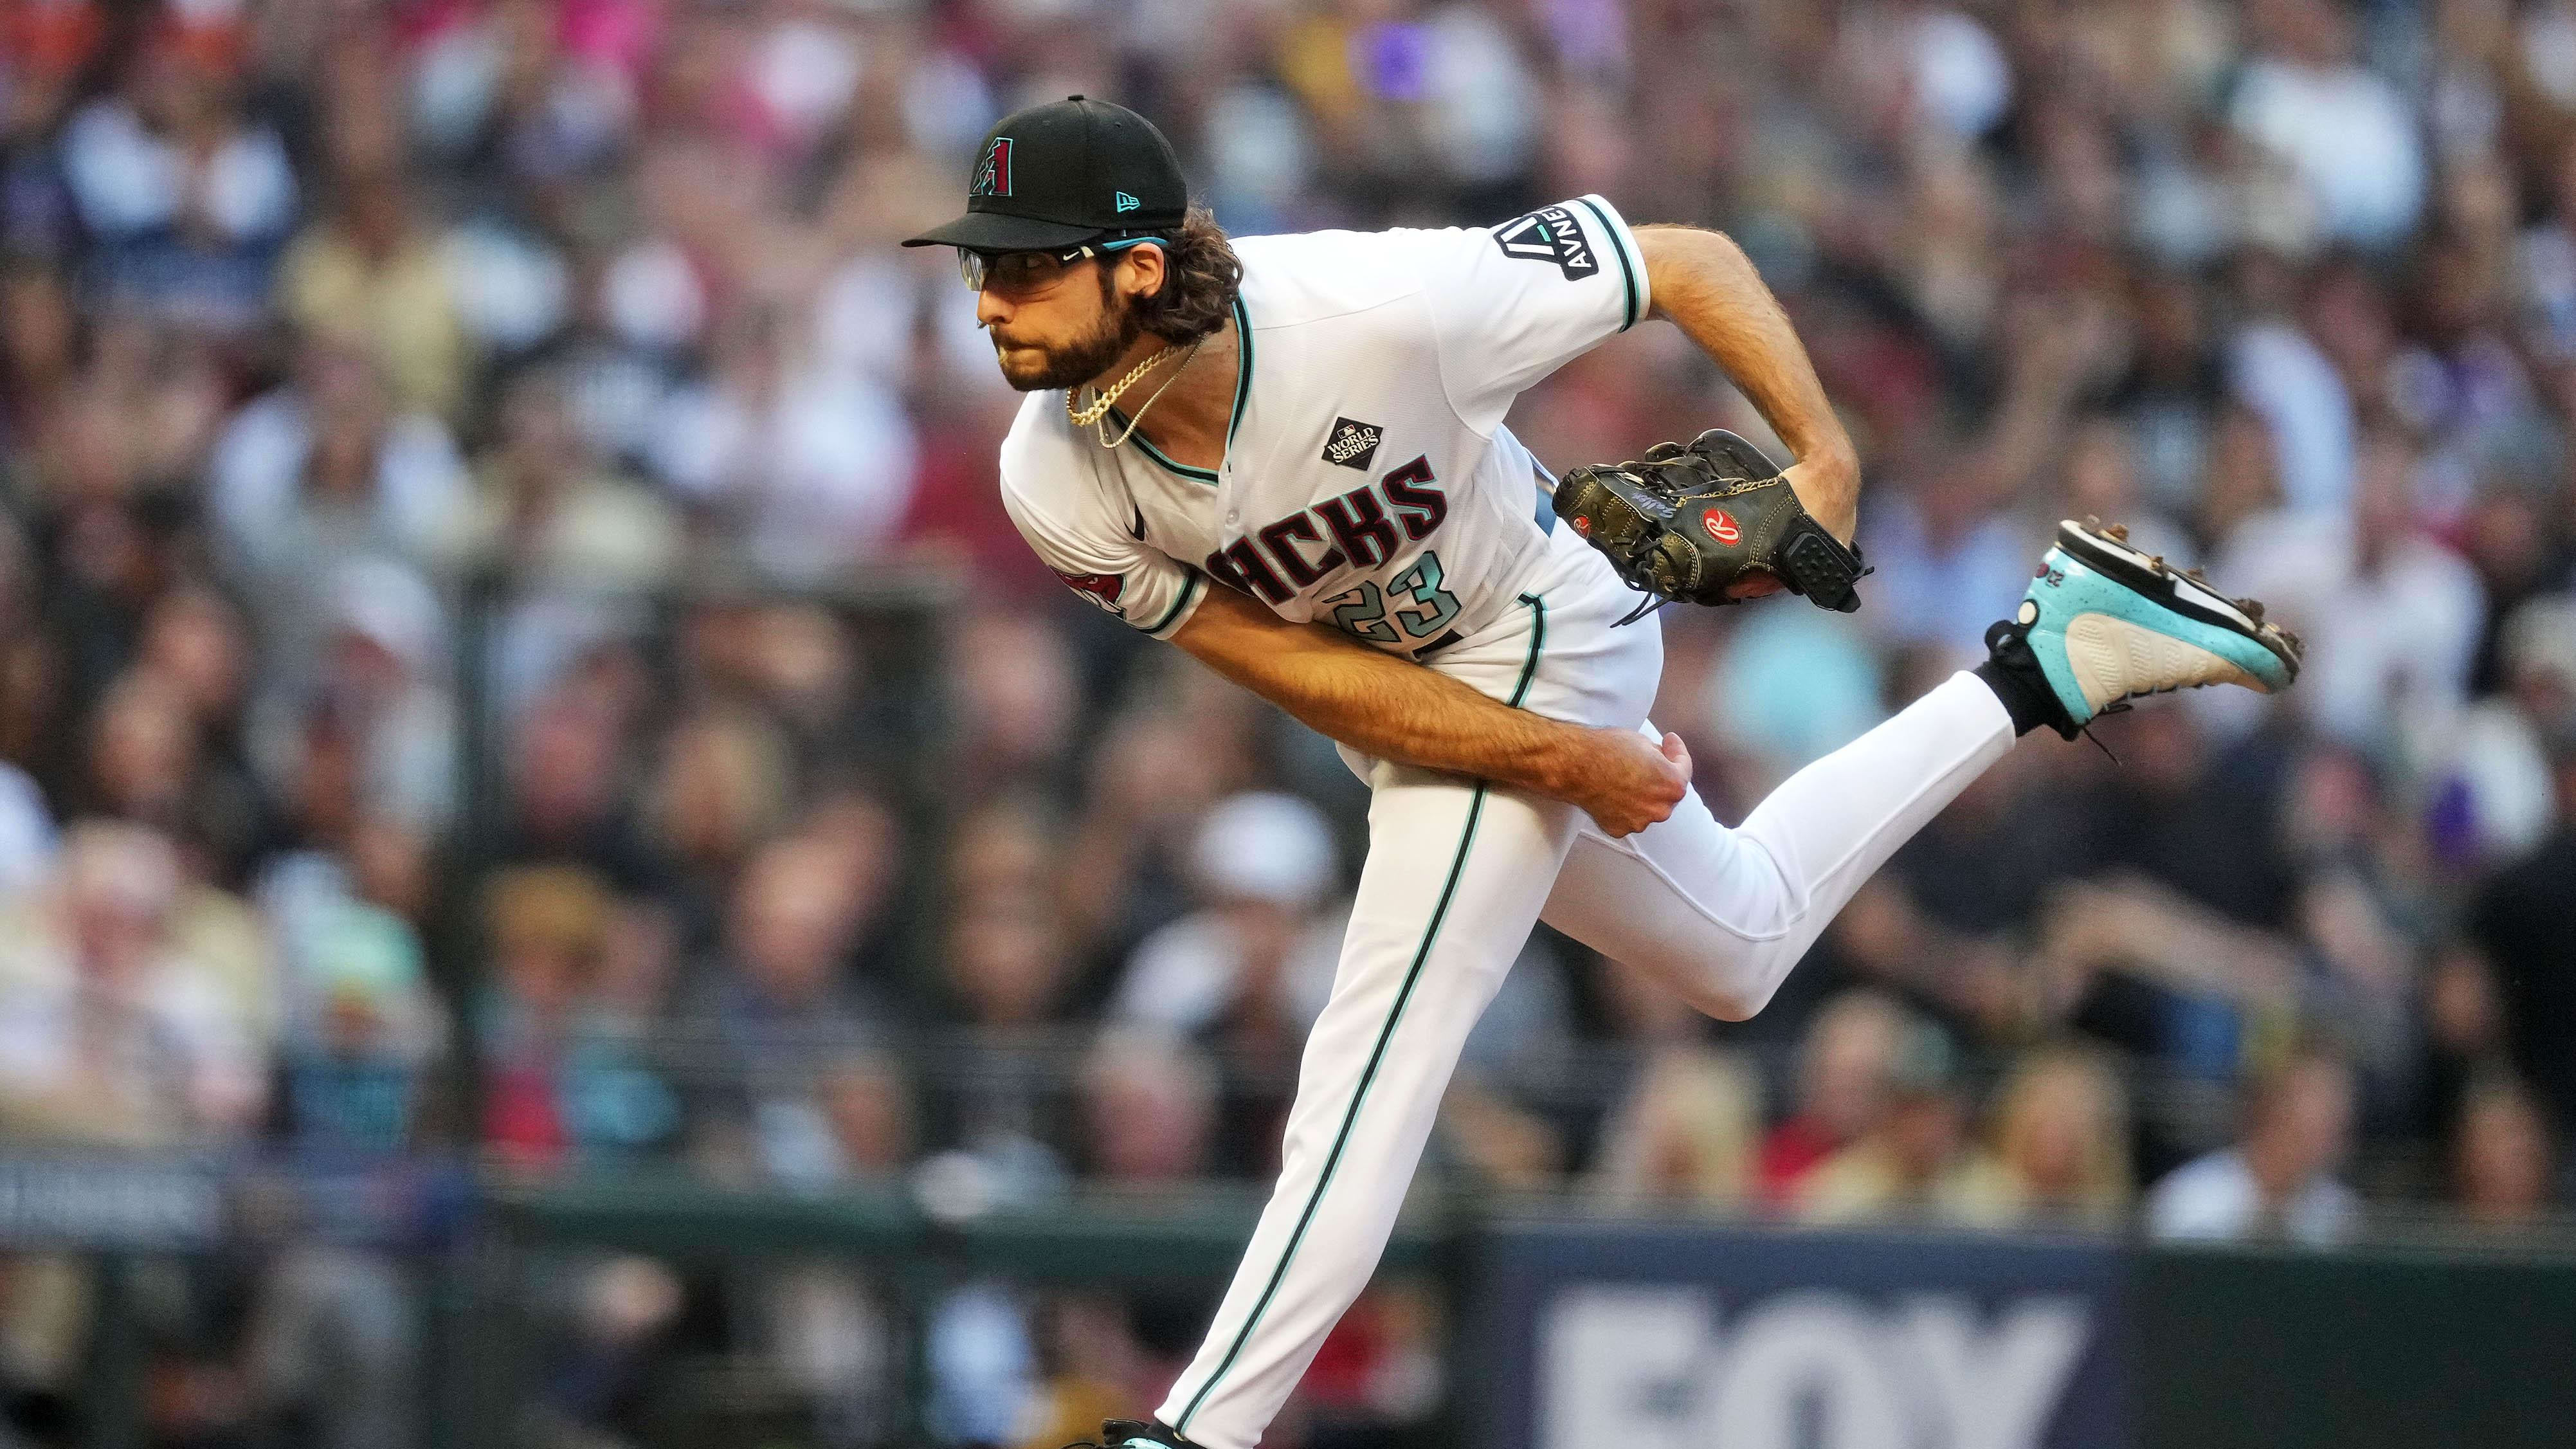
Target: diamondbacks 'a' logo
x=1721, y=526
x=1352, y=444
x=1101, y=589
x=993, y=173
x=1549, y=234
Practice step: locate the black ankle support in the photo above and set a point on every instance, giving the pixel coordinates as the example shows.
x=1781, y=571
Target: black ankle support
x=2012, y=672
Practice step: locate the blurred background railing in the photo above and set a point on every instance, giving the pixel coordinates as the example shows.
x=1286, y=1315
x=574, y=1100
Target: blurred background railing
x=460, y=1309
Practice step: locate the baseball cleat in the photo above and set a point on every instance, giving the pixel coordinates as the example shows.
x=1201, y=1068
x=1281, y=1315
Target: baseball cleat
x=1133, y=1434
x=2107, y=623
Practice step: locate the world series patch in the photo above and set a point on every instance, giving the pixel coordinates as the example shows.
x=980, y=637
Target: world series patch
x=1549, y=234
x=1352, y=444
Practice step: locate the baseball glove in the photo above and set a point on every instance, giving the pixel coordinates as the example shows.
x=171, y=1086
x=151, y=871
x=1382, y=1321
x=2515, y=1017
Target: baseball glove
x=1687, y=524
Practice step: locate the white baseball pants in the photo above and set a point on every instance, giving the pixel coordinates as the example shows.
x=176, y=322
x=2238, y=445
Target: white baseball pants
x=1457, y=873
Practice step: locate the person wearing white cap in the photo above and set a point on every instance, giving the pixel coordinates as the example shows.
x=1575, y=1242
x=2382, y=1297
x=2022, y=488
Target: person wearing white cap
x=381, y=670
x=2497, y=756
x=1262, y=864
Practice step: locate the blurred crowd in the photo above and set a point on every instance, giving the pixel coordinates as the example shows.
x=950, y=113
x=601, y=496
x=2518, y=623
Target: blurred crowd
x=508, y=641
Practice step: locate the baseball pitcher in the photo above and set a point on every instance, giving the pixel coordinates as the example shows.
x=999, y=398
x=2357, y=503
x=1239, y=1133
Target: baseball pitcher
x=1286, y=454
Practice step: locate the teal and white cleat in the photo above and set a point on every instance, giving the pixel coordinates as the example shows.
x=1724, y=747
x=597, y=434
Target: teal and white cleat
x=2106, y=624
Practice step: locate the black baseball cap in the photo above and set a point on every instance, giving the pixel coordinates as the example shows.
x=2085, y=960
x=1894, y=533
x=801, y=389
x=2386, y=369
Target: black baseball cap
x=1065, y=173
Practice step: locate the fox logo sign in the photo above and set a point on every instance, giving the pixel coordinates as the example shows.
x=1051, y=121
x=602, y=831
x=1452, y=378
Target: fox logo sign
x=993, y=173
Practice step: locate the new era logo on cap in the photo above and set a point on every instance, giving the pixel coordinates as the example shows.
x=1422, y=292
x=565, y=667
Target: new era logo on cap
x=993, y=173
x=1128, y=203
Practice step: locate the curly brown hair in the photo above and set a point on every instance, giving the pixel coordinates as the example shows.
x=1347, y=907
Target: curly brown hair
x=1200, y=277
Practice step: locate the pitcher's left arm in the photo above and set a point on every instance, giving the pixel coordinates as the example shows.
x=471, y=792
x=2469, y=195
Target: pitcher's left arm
x=1702, y=282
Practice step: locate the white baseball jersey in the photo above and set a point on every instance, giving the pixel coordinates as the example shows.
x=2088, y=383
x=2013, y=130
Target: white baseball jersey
x=1368, y=480
x=1369, y=483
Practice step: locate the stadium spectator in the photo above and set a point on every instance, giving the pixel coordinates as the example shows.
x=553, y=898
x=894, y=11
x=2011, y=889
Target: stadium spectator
x=368, y=278
x=1006, y=967
x=1006, y=962
x=822, y=1321
x=143, y=755
x=116, y=1034
x=2500, y=800
x=720, y=785
x=1154, y=773
x=569, y=798
x=1148, y=1109
x=382, y=676
x=806, y=469
x=1013, y=676
x=2056, y=1149
x=361, y=1029
x=2278, y=1182
x=1685, y=1135
x=2397, y=614
x=184, y=199
x=119, y=1032
x=547, y=512
x=2503, y=1164
x=1846, y=1066
x=2529, y=946
x=323, y=470
x=194, y=641
x=1913, y=1162
x=1250, y=967
x=778, y=1033
x=565, y=1077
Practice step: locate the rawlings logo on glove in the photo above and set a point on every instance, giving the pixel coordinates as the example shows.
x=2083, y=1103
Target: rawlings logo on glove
x=1688, y=524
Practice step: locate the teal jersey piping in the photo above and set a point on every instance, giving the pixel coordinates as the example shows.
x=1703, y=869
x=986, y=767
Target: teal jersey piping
x=1242, y=374
x=1538, y=646
x=1195, y=475
x=1234, y=421
x=1189, y=591
x=1627, y=269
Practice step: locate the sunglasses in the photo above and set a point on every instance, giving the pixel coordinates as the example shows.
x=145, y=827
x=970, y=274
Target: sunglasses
x=1024, y=272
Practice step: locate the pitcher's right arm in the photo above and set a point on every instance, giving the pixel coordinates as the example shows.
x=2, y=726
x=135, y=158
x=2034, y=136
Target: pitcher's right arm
x=1394, y=709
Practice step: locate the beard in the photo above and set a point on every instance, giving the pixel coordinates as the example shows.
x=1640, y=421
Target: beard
x=1079, y=361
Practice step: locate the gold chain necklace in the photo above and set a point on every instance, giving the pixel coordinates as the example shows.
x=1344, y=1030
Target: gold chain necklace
x=1094, y=416
x=1085, y=417
x=1100, y=428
